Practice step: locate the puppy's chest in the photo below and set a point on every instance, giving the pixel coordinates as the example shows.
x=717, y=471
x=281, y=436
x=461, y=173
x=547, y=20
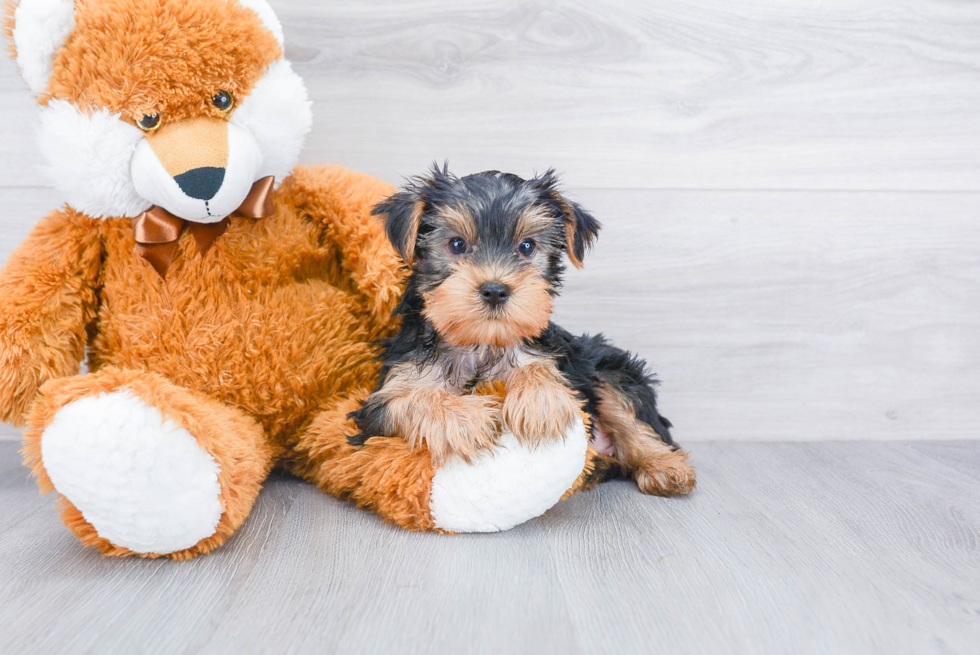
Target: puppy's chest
x=463, y=368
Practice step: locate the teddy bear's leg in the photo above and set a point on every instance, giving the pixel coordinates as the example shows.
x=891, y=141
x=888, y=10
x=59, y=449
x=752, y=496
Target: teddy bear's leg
x=385, y=475
x=496, y=491
x=143, y=466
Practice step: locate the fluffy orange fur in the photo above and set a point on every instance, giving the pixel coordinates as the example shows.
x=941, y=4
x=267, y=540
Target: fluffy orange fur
x=276, y=318
x=48, y=296
x=385, y=475
x=223, y=47
x=275, y=322
x=233, y=438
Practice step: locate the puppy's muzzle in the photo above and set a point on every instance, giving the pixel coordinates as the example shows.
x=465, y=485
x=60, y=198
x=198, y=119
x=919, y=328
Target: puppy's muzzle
x=494, y=294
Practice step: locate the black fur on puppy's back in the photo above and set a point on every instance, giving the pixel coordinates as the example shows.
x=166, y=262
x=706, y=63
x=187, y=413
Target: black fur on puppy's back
x=587, y=361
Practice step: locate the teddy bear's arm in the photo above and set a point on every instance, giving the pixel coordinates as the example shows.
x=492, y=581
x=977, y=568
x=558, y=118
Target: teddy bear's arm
x=340, y=202
x=47, y=298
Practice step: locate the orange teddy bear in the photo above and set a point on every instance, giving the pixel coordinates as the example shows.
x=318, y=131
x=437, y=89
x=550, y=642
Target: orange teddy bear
x=227, y=302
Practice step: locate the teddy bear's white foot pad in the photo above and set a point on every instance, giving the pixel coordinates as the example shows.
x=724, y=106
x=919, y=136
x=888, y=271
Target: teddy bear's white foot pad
x=142, y=481
x=508, y=486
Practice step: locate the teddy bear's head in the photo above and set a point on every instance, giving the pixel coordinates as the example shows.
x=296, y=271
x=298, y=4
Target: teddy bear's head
x=183, y=104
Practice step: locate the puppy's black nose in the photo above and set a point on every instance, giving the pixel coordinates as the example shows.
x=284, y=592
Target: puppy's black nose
x=494, y=293
x=201, y=183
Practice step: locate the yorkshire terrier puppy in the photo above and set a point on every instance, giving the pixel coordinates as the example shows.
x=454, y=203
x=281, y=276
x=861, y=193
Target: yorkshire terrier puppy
x=485, y=253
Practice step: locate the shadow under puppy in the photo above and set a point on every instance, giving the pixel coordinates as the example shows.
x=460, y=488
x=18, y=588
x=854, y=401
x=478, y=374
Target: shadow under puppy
x=485, y=253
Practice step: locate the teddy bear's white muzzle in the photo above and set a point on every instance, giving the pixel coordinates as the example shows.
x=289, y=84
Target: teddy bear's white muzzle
x=186, y=177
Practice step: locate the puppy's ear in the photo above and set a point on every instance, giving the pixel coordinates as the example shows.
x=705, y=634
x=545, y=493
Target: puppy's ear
x=581, y=228
x=403, y=215
x=403, y=211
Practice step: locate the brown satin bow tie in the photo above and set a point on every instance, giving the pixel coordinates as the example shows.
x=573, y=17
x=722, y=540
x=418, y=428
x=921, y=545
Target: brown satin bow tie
x=157, y=231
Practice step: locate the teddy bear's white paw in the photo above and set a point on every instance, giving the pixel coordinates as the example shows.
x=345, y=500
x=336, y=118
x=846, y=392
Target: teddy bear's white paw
x=508, y=485
x=139, y=479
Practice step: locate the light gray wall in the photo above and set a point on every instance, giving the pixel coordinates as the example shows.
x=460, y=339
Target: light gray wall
x=789, y=189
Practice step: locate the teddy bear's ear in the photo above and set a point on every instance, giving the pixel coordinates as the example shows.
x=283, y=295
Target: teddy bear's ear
x=38, y=29
x=267, y=15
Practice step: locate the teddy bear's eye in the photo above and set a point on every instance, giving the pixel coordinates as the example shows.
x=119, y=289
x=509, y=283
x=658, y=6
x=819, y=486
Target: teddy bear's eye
x=149, y=122
x=223, y=101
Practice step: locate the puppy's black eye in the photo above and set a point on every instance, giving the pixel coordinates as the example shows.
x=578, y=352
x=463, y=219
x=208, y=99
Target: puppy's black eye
x=527, y=248
x=457, y=246
x=223, y=101
x=149, y=122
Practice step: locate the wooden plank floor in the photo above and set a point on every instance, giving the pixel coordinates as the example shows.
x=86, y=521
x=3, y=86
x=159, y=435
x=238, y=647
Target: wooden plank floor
x=784, y=548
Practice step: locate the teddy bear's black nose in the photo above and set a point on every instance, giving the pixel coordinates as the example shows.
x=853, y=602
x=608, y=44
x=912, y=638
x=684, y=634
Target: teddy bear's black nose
x=494, y=293
x=201, y=183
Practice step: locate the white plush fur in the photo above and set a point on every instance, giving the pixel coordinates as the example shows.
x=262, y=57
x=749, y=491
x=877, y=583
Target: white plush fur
x=267, y=15
x=40, y=29
x=139, y=479
x=87, y=157
x=508, y=486
x=105, y=167
x=154, y=183
x=279, y=115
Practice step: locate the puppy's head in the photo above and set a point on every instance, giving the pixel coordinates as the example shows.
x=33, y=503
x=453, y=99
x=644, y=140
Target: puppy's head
x=486, y=251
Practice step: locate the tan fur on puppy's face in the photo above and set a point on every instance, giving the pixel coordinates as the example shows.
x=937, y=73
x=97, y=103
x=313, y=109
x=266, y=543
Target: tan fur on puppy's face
x=120, y=57
x=459, y=314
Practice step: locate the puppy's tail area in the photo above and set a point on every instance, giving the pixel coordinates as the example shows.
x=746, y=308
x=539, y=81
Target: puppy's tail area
x=626, y=376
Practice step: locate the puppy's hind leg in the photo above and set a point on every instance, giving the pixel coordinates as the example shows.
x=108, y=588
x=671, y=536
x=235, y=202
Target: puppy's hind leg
x=658, y=465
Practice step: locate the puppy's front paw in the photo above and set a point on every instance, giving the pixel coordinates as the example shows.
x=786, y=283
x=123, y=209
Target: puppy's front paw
x=666, y=474
x=537, y=408
x=451, y=425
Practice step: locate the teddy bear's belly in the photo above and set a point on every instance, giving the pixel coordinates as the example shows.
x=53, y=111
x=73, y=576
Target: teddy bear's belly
x=278, y=353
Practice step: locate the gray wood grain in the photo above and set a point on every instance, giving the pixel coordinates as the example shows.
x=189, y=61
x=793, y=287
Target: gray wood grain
x=784, y=548
x=867, y=94
x=666, y=94
x=792, y=315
